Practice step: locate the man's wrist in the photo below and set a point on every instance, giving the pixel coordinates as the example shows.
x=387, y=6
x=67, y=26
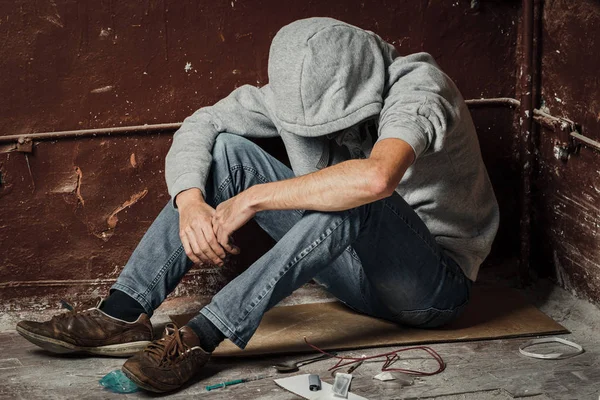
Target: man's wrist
x=189, y=196
x=253, y=198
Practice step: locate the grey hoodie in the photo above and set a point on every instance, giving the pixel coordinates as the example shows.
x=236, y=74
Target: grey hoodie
x=332, y=85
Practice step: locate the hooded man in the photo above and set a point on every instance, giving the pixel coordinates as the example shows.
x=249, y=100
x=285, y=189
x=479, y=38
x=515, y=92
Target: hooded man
x=388, y=204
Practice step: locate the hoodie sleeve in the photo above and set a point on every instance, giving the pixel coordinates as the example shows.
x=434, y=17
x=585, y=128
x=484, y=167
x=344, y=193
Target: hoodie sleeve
x=421, y=104
x=188, y=162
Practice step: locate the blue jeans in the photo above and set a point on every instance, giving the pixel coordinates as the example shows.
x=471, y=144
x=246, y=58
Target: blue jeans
x=379, y=258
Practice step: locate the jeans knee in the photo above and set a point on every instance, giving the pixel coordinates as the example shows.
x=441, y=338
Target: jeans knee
x=232, y=149
x=228, y=143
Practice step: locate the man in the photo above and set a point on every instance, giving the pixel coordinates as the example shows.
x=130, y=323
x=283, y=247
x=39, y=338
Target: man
x=388, y=204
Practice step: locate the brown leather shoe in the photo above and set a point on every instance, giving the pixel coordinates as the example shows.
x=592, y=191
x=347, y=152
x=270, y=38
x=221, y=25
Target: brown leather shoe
x=167, y=363
x=89, y=331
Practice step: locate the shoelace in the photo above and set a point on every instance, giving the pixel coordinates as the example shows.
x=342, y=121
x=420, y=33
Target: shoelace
x=67, y=314
x=71, y=311
x=168, y=348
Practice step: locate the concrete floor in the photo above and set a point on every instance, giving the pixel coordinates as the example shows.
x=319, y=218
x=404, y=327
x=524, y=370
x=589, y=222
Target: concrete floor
x=482, y=370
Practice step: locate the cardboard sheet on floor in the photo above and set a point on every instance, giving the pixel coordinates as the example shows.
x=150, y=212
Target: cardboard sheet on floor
x=492, y=313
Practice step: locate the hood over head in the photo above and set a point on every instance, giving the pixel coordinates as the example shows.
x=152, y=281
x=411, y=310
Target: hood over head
x=326, y=75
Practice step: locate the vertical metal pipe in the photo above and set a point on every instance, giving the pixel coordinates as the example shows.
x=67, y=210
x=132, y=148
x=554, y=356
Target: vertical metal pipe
x=526, y=137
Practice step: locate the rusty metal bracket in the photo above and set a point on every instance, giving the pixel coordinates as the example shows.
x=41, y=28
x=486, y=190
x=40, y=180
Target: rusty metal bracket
x=24, y=145
x=564, y=144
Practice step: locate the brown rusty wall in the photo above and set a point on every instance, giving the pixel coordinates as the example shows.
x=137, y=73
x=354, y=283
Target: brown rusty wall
x=72, y=212
x=567, y=194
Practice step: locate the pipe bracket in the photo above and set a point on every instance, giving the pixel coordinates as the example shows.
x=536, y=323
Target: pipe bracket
x=24, y=145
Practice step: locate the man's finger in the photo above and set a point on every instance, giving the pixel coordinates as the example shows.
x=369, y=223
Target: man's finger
x=188, y=249
x=226, y=244
x=231, y=248
x=222, y=236
x=208, y=251
x=225, y=240
x=210, y=237
x=196, y=246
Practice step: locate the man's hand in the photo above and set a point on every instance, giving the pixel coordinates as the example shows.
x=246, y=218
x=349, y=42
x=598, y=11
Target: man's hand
x=230, y=216
x=196, y=231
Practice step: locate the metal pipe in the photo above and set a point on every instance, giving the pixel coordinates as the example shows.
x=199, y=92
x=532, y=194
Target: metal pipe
x=544, y=114
x=90, y=132
x=586, y=140
x=527, y=148
x=499, y=101
x=539, y=116
x=550, y=121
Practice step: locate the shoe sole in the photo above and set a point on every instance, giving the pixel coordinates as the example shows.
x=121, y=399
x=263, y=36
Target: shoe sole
x=62, y=347
x=144, y=385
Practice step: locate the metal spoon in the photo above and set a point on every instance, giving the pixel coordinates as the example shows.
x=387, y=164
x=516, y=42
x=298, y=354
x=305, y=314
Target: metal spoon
x=292, y=366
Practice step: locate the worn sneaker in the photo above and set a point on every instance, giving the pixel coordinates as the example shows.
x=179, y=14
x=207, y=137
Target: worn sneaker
x=89, y=331
x=167, y=363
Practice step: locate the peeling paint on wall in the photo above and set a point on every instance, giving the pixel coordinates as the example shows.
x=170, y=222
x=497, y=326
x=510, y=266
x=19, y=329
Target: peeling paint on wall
x=113, y=219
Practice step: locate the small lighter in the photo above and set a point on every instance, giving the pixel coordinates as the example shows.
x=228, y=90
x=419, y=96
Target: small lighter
x=314, y=383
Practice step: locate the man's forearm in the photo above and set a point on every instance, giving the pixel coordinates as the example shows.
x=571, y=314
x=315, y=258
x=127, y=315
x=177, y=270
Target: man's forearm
x=340, y=187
